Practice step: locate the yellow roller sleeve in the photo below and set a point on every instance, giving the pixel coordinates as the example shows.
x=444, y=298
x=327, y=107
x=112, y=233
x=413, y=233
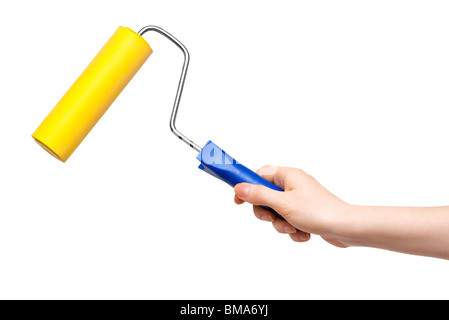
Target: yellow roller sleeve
x=93, y=92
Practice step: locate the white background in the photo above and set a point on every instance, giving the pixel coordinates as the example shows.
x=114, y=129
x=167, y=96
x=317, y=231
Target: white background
x=353, y=92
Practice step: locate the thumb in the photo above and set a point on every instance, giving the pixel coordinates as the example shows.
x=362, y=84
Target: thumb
x=259, y=195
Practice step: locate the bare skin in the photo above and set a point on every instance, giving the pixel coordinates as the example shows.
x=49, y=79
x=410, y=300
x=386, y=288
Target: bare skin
x=308, y=208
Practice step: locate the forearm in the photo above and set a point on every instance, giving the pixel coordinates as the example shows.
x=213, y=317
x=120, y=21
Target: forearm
x=421, y=231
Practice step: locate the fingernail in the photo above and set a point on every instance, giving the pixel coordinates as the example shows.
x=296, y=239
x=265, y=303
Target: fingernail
x=303, y=236
x=267, y=218
x=289, y=229
x=243, y=190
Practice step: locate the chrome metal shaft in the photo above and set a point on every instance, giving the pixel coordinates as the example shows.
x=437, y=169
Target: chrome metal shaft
x=185, y=66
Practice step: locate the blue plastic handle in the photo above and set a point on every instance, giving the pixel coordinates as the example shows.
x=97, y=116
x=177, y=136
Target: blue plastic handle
x=221, y=165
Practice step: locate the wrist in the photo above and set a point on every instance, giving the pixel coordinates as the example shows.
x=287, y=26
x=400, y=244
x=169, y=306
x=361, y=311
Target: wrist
x=343, y=226
x=360, y=226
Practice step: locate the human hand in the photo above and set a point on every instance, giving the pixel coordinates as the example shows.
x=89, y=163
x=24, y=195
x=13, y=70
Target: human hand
x=305, y=204
x=308, y=208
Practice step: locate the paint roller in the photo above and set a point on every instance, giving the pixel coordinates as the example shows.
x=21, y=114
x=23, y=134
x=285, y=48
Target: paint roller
x=65, y=127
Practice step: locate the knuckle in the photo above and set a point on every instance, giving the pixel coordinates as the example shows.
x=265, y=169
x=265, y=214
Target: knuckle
x=282, y=207
x=277, y=228
x=279, y=225
x=268, y=170
x=256, y=192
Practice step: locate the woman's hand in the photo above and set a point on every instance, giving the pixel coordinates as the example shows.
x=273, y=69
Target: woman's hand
x=308, y=208
x=305, y=204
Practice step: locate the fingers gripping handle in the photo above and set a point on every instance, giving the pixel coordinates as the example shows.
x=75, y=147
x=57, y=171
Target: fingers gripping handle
x=221, y=165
